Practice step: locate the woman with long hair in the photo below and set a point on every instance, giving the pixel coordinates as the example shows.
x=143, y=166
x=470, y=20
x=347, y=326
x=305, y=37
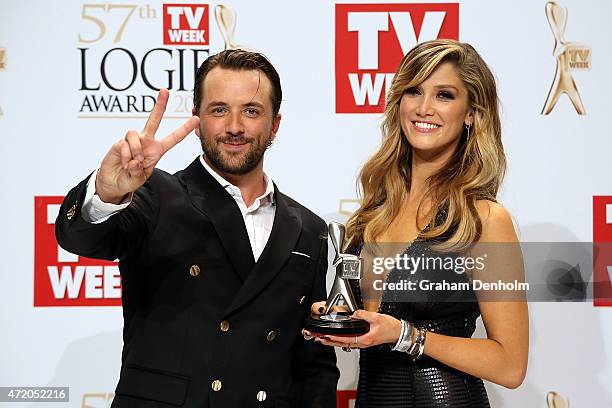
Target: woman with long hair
x=432, y=187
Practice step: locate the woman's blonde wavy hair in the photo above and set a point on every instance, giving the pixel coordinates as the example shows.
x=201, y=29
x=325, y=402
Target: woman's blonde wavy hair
x=474, y=172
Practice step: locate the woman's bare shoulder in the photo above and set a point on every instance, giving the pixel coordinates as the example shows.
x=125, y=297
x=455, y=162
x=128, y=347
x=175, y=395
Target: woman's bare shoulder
x=497, y=225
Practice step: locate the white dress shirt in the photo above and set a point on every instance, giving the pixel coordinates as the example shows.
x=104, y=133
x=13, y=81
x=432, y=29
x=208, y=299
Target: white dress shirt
x=258, y=218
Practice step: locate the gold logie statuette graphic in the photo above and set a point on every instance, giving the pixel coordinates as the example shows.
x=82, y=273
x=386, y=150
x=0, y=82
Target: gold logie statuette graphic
x=554, y=400
x=97, y=400
x=2, y=59
x=570, y=57
x=348, y=206
x=226, y=21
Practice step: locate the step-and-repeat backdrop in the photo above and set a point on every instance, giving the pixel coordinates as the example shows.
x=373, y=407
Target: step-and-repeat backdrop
x=75, y=75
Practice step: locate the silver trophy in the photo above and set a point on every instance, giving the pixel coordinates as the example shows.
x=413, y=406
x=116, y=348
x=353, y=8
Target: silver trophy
x=348, y=266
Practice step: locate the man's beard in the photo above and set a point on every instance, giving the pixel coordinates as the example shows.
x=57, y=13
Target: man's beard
x=236, y=164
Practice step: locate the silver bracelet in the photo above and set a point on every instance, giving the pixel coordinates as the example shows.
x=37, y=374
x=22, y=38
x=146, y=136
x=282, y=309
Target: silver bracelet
x=418, y=346
x=404, y=342
x=399, y=339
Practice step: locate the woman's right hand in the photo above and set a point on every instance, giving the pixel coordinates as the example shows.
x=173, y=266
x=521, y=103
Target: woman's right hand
x=384, y=329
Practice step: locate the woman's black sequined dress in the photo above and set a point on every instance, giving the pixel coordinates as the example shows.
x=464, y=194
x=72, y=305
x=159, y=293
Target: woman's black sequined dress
x=390, y=379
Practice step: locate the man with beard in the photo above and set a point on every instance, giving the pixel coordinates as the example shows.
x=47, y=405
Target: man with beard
x=218, y=267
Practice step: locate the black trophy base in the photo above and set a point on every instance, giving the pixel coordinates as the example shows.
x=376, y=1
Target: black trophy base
x=337, y=324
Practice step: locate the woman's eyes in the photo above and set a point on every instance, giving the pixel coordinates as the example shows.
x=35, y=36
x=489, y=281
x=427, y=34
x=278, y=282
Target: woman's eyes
x=446, y=95
x=441, y=94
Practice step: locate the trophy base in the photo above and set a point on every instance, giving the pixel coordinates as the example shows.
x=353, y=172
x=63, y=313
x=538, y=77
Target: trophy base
x=337, y=324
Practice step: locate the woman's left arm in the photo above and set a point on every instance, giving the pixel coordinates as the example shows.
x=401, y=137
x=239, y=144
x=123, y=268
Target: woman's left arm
x=501, y=357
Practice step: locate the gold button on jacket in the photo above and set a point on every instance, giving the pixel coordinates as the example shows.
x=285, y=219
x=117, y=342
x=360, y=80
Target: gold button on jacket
x=261, y=396
x=224, y=325
x=70, y=213
x=194, y=270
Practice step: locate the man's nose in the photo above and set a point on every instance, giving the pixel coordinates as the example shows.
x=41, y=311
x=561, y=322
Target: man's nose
x=234, y=124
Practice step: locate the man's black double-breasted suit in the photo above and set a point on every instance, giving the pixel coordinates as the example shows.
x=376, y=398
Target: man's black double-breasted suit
x=204, y=324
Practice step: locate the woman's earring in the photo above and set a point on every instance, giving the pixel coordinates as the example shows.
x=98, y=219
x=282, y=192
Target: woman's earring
x=467, y=129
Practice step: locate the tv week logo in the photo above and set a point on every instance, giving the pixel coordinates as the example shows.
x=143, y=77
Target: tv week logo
x=371, y=40
x=602, y=250
x=186, y=24
x=65, y=279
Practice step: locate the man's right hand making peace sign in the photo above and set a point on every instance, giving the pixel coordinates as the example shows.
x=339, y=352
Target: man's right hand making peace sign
x=130, y=162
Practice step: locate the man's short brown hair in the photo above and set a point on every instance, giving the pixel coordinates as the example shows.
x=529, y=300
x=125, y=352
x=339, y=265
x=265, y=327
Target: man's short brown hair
x=239, y=60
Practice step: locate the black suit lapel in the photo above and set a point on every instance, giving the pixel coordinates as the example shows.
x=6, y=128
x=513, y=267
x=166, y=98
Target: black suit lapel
x=283, y=237
x=218, y=205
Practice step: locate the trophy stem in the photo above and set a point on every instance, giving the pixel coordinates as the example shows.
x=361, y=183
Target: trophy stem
x=339, y=290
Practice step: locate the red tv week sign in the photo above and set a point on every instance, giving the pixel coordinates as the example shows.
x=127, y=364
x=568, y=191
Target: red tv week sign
x=65, y=279
x=602, y=250
x=371, y=39
x=345, y=398
x=186, y=24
